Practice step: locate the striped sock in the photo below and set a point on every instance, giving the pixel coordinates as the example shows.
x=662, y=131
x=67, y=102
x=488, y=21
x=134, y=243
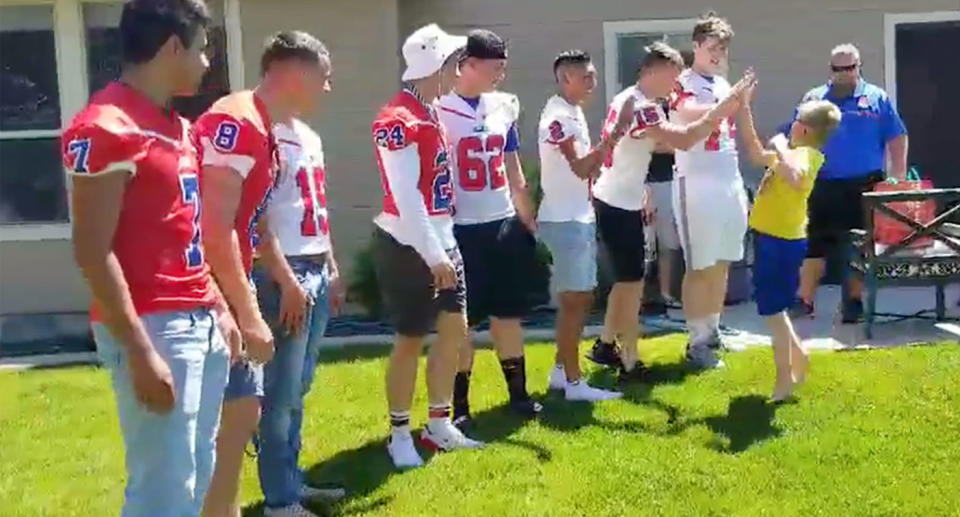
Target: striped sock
x=439, y=414
x=400, y=421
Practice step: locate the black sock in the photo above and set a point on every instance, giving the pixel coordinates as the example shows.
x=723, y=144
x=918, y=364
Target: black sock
x=515, y=373
x=461, y=395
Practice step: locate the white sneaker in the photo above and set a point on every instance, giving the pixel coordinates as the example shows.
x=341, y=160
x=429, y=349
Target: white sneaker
x=293, y=510
x=402, y=451
x=580, y=390
x=558, y=378
x=312, y=493
x=446, y=437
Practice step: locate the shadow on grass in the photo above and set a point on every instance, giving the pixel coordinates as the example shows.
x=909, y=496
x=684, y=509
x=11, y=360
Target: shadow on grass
x=748, y=421
x=361, y=471
x=351, y=353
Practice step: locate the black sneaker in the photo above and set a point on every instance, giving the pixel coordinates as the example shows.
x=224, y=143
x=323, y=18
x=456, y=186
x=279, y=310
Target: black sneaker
x=525, y=407
x=801, y=309
x=852, y=311
x=605, y=354
x=639, y=373
x=464, y=423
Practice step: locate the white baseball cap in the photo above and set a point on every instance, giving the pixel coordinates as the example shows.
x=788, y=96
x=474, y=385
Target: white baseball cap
x=427, y=49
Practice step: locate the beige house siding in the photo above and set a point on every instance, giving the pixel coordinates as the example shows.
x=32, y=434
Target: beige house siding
x=362, y=37
x=40, y=276
x=787, y=43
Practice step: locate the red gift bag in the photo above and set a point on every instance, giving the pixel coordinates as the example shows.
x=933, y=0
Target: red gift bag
x=887, y=230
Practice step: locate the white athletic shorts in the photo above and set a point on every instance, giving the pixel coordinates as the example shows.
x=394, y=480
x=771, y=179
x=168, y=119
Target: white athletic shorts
x=711, y=216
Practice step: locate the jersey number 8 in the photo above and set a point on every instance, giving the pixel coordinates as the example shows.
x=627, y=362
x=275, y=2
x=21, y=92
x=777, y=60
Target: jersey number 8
x=473, y=169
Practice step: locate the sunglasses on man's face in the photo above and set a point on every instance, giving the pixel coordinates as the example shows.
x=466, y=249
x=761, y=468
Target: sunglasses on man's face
x=844, y=68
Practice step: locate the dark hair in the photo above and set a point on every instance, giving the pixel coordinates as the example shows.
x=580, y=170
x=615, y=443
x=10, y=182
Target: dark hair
x=287, y=45
x=710, y=25
x=570, y=57
x=146, y=25
x=658, y=53
x=484, y=44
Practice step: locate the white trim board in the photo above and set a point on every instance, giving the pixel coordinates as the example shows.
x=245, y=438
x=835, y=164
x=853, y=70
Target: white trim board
x=890, y=22
x=612, y=29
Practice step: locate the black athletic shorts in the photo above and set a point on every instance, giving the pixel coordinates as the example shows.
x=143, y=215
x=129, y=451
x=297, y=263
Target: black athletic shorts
x=499, y=258
x=621, y=232
x=411, y=301
x=835, y=207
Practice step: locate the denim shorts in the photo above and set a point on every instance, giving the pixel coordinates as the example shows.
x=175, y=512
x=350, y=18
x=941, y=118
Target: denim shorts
x=574, y=248
x=246, y=380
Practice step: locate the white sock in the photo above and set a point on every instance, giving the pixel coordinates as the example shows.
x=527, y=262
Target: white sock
x=714, y=320
x=439, y=415
x=699, y=330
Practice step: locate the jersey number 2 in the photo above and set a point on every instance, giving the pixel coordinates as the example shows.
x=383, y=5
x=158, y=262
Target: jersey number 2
x=474, y=169
x=314, y=198
x=712, y=142
x=190, y=188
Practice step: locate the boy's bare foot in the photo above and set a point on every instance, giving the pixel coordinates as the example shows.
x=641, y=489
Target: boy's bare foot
x=782, y=391
x=799, y=364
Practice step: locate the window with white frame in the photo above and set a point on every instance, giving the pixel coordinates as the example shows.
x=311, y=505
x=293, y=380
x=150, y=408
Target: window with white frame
x=624, y=42
x=55, y=53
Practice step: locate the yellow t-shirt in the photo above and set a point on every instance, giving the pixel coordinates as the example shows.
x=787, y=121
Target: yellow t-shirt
x=780, y=209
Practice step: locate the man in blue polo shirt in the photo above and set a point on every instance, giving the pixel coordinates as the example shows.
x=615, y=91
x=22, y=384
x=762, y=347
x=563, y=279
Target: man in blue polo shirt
x=855, y=161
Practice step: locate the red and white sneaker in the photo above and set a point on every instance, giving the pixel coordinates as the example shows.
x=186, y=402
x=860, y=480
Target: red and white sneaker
x=445, y=437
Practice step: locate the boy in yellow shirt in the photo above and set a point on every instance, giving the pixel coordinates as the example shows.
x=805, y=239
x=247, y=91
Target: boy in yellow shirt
x=779, y=221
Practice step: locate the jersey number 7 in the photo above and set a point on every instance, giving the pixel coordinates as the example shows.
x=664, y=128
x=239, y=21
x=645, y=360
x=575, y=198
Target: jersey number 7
x=473, y=169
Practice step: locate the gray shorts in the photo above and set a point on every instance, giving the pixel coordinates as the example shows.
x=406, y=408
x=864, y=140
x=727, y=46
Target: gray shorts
x=664, y=223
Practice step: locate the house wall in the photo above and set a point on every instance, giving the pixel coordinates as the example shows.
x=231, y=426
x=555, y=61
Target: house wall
x=788, y=44
x=361, y=36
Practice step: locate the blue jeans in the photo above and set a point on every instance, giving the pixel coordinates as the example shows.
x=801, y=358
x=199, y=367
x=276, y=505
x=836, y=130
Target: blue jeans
x=287, y=378
x=170, y=457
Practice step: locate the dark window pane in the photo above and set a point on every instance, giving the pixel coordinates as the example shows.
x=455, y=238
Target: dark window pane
x=104, y=60
x=28, y=69
x=32, y=183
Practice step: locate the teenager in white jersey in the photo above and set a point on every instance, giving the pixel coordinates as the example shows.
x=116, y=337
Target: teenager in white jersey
x=620, y=194
x=492, y=214
x=298, y=286
x=709, y=199
x=566, y=220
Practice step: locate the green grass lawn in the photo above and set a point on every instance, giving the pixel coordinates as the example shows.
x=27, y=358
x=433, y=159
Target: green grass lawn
x=872, y=433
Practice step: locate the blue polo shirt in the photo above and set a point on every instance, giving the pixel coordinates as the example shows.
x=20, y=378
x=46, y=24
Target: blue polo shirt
x=869, y=121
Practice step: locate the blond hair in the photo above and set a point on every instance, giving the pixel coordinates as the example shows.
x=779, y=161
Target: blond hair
x=822, y=117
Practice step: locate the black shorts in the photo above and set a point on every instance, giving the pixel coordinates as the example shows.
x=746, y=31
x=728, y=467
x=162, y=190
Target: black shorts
x=835, y=207
x=499, y=259
x=621, y=232
x=406, y=284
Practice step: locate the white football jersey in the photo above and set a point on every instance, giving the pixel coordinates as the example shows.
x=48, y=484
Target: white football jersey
x=716, y=155
x=624, y=171
x=297, y=211
x=477, y=138
x=566, y=197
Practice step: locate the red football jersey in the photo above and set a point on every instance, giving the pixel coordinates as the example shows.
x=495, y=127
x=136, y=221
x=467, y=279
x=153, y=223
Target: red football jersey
x=236, y=132
x=405, y=121
x=157, y=240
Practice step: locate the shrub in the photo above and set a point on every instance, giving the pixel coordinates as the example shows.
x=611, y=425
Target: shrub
x=362, y=287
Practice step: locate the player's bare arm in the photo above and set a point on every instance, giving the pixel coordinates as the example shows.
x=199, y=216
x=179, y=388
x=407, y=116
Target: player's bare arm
x=96, y=202
x=222, y=187
x=338, y=293
x=684, y=137
x=519, y=192
x=293, y=298
x=227, y=323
